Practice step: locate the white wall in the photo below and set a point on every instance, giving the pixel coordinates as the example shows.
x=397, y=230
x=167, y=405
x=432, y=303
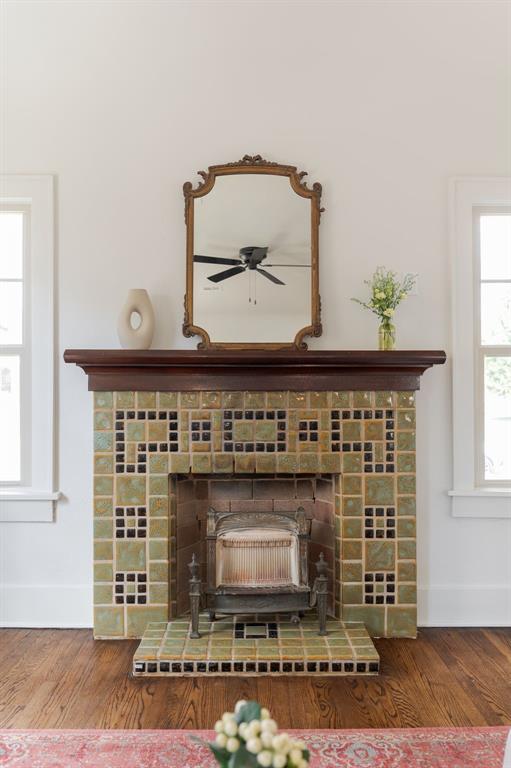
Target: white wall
x=380, y=101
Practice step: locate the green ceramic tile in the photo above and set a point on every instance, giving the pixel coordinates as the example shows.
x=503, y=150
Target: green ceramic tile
x=103, y=528
x=180, y=463
x=146, y=399
x=405, y=399
x=103, y=441
x=287, y=462
x=401, y=622
x=384, y=399
x=352, y=550
x=244, y=462
x=352, y=594
x=158, y=571
x=352, y=506
x=211, y=399
x=297, y=399
x=406, y=441
x=277, y=400
x=130, y=490
x=135, y=430
x=103, y=594
x=352, y=485
x=319, y=399
x=232, y=399
x=406, y=419
x=352, y=462
x=222, y=462
x=130, y=555
x=103, y=420
x=103, y=507
x=406, y=527
x=157, y=431
x=341, y=399
x=158, y=463
x=372, y=616
x=351, y=431
x=103, y=485
x=103, y=465
x=103, y=400
x=265, y=431
x=330, y=462
x=407, y=594
x=103, y=572
x=201, y=463
x=406, y=505
x=406, y=462
x=352, y=527
x=158, y=506
x=266, y=463
x=362, y=399
x=352, y=572
x=373, y=430
x=158, y=593
x=255, y=399
x=109, y=622
x=309, y=462
x=167, y=400
x=379, y=490
x=158, y=485
x=158, y=527
x=406, y=550
x=140, y=615
x=243, y=431
x=124, y=399
x=380, y=555
x=158, y=550
x=406, y=571
x=406, y=483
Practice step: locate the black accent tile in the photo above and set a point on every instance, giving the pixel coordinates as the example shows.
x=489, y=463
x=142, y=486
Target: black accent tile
x=176, y=666
x=361, y=667
x=164, y=666
x=336, y=666
x=262, y=666
x=152, y=666
x=299, y=666
x=348, y=666
x=213, y=666
x=311, y=666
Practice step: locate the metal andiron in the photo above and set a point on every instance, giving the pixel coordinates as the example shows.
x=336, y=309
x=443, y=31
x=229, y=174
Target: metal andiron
x=257, y=562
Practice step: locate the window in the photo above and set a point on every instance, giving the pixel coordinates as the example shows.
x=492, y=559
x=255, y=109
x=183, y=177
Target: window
x=480, y=247
x=26, y=349
x=14, y=345
x=492, y=243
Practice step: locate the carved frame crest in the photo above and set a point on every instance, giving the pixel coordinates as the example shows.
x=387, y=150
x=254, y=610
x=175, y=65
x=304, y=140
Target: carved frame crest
x=258, y=165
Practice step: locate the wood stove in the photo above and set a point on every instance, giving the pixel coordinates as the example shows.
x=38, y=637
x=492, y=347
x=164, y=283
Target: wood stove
x=257, y=562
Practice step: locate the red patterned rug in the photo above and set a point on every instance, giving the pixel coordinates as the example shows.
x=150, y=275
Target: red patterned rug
x=391, y=748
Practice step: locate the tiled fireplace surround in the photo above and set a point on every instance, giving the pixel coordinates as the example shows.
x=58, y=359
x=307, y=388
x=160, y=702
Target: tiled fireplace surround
x=160, y=458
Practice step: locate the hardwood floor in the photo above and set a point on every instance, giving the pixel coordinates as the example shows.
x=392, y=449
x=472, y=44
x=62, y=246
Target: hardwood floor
x=65, y=679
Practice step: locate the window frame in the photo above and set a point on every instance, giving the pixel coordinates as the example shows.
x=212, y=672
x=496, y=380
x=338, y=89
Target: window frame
x=482, y=351
x=469, y=497
x=32, y=499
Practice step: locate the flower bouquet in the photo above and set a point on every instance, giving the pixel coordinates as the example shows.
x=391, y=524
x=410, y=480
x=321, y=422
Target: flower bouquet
x=387, y=292
x=249, y=738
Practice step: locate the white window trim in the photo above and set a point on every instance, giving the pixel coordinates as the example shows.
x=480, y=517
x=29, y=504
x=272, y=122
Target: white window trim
x=466, y=194
x=34, y=502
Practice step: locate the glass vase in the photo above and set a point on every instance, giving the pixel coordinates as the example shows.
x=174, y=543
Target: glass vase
x=386, y=335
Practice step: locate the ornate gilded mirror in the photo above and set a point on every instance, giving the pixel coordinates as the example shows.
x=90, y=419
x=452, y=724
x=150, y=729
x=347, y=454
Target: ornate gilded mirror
x=252, y=244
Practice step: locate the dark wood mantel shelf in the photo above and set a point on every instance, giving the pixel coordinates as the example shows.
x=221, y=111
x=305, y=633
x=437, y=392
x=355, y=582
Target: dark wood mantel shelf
x=231, y=370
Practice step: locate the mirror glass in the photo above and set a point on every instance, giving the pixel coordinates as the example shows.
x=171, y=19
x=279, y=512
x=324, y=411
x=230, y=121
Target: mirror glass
x=252, y=260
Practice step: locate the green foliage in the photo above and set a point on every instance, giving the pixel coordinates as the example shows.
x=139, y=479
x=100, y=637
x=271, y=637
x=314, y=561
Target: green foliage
x=248, y=712
x=498, y=375
x=387, y=292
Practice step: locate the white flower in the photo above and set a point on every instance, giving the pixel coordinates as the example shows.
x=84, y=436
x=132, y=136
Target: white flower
x=265, y=714
x=254, y=728
x=299, y=745
x=227, y=716
x=388, y=312
x=295, y=755
x=304, y=764
x=232, y=745
x=242, y=730
x=379, y=295
x=241, y=703
x=231, y=728
x=403, y=295
x=219, y=726
x=269, y=725
x=281, y=743
x=221, y=740
x=254, y=745
x=266, y=739
x=279, y=760
x=265, y=758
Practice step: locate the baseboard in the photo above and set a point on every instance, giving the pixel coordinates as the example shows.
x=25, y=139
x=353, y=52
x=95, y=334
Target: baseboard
x=48, y=606
x=464, y=605
x=57, y=606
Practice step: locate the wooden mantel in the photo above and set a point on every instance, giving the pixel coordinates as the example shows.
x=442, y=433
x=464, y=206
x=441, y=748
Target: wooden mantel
x=235, y=370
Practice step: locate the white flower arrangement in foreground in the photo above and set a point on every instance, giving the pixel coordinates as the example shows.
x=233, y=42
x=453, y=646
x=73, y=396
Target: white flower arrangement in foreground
x=249, y=738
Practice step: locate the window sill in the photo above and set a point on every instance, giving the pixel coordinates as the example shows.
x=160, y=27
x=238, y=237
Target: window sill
x=27, y=505
x=481, y=503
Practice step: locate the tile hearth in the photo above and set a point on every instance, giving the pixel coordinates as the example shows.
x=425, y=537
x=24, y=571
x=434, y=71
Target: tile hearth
x=252, y=645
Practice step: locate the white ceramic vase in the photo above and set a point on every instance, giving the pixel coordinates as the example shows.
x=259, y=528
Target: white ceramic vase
x=136, y=338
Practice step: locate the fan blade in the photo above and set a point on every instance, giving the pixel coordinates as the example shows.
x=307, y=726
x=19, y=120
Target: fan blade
x=270, y=276
x=225, y=274
x=287, y=265
x=215, y=260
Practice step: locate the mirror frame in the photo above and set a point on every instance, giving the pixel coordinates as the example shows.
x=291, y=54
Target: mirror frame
x=258, y=165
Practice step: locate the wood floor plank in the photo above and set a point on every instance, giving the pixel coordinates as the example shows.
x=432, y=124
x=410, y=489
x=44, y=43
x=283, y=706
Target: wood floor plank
x=65, y=679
